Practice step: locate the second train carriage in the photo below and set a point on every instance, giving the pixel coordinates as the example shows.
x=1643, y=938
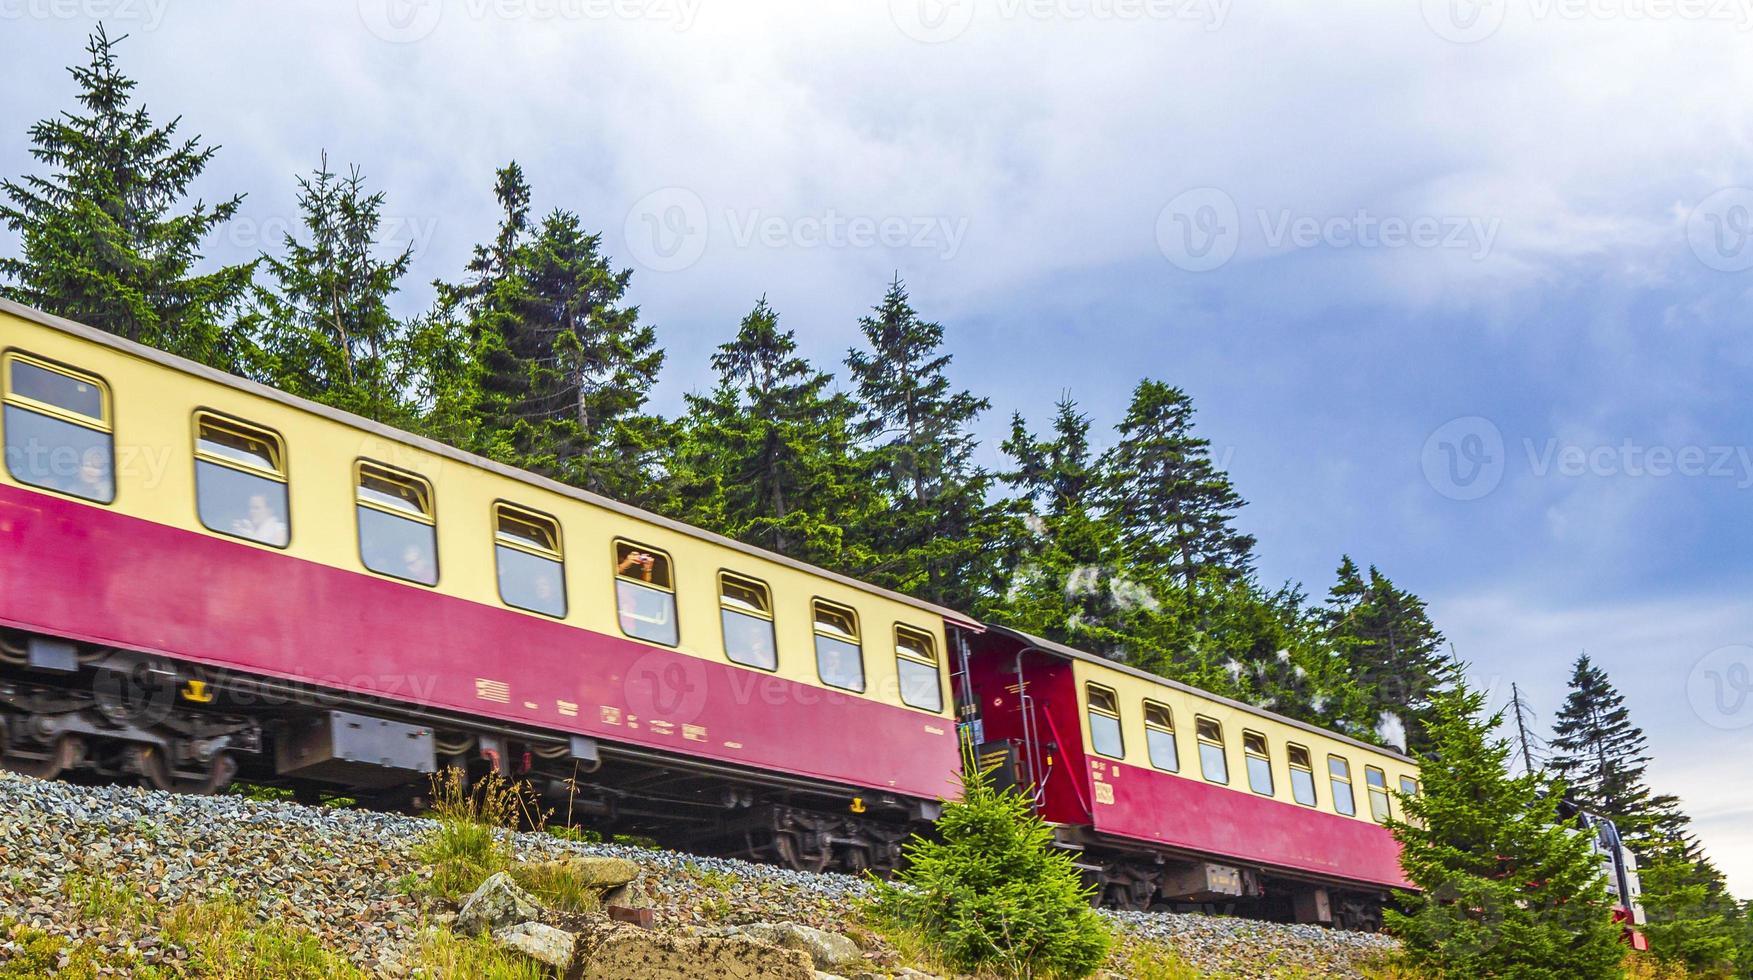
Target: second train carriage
x=1175, y=797
x=203, y=578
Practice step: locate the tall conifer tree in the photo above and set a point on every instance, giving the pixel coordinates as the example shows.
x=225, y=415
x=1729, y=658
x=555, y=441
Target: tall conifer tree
x=327, y=330
x=1175, y=507
x=107, y=238
x=564, y=367
x=767, y=456
x=1506, y=888
x=937, y=537
x=1602, y=757
x=1394, y=651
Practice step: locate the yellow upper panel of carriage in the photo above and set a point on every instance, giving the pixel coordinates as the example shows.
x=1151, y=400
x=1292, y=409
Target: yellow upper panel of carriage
x=155, y=401
x=1242, y=733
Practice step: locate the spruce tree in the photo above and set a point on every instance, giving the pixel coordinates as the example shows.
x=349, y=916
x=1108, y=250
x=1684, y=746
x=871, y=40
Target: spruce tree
x=991, y=892
x=564, y=367
x=1175, y=507
x=327, y=330
x=106, y=238
x=1693, y=921
x=1064, y=576
x=767, y=455
x=1394, y=651
x=937, y=537
x=1602, y=757
x=1506, y=888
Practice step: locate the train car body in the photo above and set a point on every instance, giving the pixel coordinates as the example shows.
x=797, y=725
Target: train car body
x=180, y=549
x=1177, y=797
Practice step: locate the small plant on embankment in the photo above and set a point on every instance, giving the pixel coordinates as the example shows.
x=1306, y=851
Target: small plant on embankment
x=990, y=893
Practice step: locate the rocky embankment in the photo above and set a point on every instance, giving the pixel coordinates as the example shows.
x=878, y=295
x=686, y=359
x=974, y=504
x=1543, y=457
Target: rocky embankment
x=98, y=880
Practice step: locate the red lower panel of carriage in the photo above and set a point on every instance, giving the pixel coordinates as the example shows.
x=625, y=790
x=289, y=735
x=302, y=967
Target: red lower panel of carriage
x=1191, y=815
x=100, y=576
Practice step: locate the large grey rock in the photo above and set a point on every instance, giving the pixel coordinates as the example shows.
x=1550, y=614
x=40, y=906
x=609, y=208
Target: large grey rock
x=544, y=944
x=613, y=951
x=498, y=903
x=829, y=951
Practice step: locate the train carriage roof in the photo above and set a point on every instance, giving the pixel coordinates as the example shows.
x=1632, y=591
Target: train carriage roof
x=216, y=376
x=1071, y=653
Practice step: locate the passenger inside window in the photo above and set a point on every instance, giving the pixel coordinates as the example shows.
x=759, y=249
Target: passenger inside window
x=839, y=654
x=746, y=616
x=240, y=486
x=58, y=431
x=397, y=534
x=645, y=594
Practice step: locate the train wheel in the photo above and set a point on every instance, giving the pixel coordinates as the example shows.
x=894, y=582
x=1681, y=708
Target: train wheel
x=68, y=751
x=149, y=762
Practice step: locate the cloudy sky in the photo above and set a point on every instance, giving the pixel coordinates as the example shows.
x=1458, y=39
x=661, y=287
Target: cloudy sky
x=1460, y=288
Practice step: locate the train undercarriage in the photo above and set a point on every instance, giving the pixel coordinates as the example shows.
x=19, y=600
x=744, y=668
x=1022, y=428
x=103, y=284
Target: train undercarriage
x=87, y=713
x=1133, y=878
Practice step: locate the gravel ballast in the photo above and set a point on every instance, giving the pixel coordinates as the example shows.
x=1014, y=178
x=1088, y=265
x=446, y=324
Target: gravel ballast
x=347, y=875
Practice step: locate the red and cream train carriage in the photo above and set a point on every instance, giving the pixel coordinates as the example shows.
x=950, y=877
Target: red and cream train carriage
x=202, y=578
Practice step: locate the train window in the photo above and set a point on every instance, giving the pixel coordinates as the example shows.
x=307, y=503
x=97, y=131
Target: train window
x=1302, y=774
x=532, y=567
x=839, y=652
x=1339, y=775
x=240, y=480
x=1376, y=782
x=1104, y=715
x=916, y=664
x=398, y=532
x=745, y=610
x=1409, y=786
x=58, y=429
x=645, y=593
x=1259, y=763
x=1159, y=737
x=1212, y=762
